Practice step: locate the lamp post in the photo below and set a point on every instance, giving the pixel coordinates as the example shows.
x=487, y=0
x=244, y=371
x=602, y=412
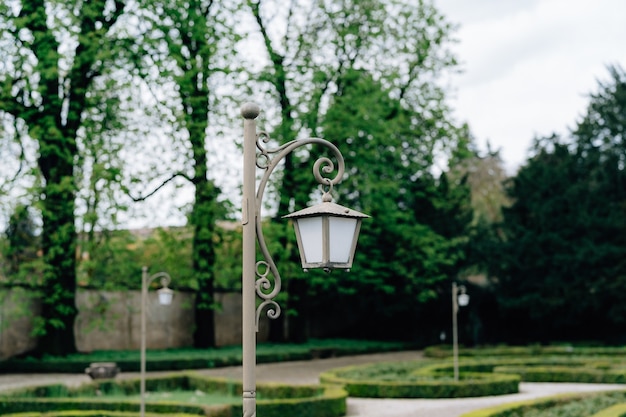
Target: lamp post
x=165, y=295
x=458, y=300
x=326, y=235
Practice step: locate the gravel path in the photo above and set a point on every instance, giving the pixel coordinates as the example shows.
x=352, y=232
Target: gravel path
x=307, y=372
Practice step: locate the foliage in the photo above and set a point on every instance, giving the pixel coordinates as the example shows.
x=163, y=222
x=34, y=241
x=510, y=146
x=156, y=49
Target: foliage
x=559, y=265
x=415, y=240
x=378, y=80
x=418, y=380
x=189, y=358
x=570, y=405
x=103, y=87
x=122, y=254
x=117, y=395
x=90, y=413
x=485, y=177
x=197, y=38
x=433, y=378
x=57, y=53
x=23, y=261
x=442, y=351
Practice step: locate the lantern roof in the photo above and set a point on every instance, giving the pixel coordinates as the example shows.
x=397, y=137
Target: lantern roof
x=327, y=208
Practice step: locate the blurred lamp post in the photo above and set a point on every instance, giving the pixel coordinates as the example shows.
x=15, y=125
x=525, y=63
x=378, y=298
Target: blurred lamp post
x=458, y=300
x=326, y=235
x=165, y=298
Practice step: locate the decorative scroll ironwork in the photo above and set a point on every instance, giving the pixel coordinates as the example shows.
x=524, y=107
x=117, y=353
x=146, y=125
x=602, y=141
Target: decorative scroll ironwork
x=267, y=160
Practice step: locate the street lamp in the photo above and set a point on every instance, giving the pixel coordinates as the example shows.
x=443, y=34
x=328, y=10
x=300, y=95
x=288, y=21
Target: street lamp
x=165, y=295
x=458, y=300
x=326, y=235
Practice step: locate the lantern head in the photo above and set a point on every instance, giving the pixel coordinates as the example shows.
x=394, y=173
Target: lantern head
x=463, y=299
x=327, y=235
x=165, y=296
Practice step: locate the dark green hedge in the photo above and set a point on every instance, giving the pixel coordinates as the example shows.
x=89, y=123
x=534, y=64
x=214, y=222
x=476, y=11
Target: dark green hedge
x=424, y=381
x=544, y=405
x=276, y=400
x=185, y=359
x=434, y=379
x=90, y=413
x=565, y=374
x=469, y=386
x=618, y=410
x=18, y=405
x=444, y=351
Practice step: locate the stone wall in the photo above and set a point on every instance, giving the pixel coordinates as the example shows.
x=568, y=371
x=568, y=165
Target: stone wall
x=111, y=320
x=18, y=307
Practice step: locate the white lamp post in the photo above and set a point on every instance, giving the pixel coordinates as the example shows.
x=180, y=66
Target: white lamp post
x=326, y=235
x=165, y=295
x=458, y=300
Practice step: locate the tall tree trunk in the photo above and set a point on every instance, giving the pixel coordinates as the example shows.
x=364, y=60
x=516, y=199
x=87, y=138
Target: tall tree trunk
x=203, y=222
x=56, y=162
x=59, y=253
x=204, y=215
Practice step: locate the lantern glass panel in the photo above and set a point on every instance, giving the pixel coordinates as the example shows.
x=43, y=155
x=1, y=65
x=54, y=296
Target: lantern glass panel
x=342, y=231
x=463, y=299
x=165, y=296
x=311, y=238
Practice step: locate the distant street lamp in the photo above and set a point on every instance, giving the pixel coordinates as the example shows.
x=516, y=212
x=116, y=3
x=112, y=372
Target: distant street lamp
x=458, y=300
x=326, y=233
x=165, y=295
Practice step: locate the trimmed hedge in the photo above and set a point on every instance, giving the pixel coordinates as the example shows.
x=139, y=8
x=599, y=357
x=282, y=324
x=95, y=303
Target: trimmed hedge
x=517, y=409
x=580, y=374
x=78, y=413
x=445, y=351
x=421, y=382
x=17, y=405
x=186, y=359
x=420, y=379
x=277, y=400
x=618, y=410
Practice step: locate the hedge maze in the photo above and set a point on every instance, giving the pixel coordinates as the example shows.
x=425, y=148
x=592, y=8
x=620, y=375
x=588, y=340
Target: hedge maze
x=106, y=398
x=482, y=373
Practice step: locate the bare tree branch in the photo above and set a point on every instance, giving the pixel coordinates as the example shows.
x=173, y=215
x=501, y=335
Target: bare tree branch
x=163, y=184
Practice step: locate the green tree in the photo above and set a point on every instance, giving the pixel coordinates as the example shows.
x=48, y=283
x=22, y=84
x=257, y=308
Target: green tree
x=54, y=52
x=190, y=42
x=561, y=267
x=415, y=240
x=23, y=243
x=401, y=44
x=533, y=266
x=603, y=127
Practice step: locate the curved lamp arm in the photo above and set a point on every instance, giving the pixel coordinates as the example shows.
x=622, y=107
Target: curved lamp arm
x=255, y=275
x=268, y=160
x=147, y=280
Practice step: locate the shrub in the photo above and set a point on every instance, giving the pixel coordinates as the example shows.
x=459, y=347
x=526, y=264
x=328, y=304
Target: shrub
x=277, y=400
x=570, y=405
x=414, y=380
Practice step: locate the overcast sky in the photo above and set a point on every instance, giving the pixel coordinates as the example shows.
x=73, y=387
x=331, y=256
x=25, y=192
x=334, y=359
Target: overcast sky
x=529, y=65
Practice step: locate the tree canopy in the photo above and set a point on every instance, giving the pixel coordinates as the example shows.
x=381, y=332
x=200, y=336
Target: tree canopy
x=560, y=262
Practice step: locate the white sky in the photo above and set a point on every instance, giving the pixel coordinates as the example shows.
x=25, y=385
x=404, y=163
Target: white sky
x=529, y=65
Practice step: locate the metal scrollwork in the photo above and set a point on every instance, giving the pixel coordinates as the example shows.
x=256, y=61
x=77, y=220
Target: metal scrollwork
x=268, y=160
